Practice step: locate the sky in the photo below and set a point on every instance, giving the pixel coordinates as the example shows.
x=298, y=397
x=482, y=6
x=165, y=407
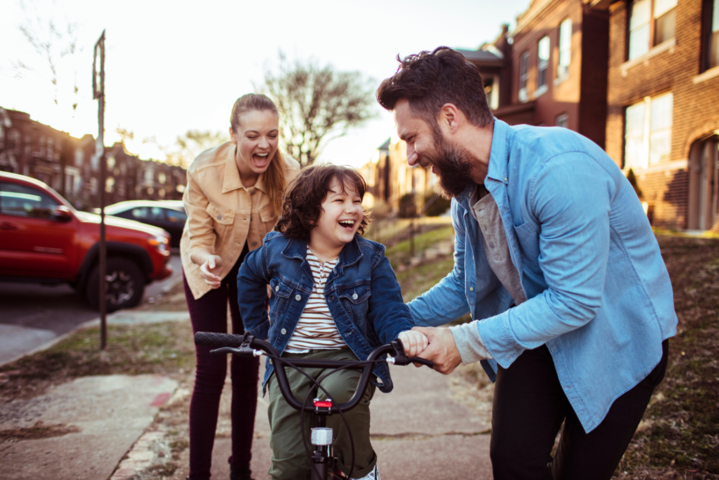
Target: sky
x=173, y=66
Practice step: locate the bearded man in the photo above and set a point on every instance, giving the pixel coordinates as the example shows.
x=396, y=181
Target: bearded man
x=555, y=259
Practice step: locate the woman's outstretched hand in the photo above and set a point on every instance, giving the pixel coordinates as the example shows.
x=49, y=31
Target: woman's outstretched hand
x=211, y=271
x=413, y=342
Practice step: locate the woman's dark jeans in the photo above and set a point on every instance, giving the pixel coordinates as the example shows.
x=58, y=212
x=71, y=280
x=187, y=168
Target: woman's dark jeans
x=209, y=314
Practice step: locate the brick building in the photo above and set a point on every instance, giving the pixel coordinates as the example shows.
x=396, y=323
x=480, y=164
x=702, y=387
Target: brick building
x=71, y=166
x=389, y=178
x=663, y=105
x=552, y=69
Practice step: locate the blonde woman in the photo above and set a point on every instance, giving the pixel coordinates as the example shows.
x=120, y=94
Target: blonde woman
x=233, y=198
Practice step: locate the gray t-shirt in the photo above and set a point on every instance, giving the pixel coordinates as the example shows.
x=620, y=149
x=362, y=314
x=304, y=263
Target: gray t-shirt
x=485, y=211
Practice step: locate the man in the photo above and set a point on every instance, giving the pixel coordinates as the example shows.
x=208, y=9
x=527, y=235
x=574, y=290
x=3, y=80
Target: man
x=554, y=258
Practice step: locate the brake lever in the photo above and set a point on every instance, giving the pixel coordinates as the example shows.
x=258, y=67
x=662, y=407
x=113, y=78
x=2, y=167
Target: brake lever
x=243, y=351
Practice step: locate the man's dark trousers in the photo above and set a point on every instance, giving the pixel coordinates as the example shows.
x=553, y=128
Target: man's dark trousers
x=528, y=411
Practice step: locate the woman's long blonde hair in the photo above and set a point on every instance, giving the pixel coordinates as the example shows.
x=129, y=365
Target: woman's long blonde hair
x=274, y=176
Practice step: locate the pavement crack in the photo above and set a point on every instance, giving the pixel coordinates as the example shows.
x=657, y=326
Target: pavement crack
x=425, y=436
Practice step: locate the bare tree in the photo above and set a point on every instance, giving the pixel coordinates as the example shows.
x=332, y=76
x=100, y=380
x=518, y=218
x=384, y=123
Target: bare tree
x=55, y=43
x=190, y=144
x=319, y=104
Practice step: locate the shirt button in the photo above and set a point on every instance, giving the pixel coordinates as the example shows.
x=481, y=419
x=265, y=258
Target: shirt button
x=219, y=216
x=354, y=296
x=491, y=245
x=471, y=289
x=277, y=288
x=298, y=297
x=252, y=192
x=505, y=179
x=332, y=297
x=283, y=331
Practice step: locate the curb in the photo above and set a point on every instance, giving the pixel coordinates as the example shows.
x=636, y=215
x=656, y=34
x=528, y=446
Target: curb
x=82, y=326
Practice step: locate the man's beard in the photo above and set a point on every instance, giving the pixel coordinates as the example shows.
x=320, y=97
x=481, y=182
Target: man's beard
x=453, y=166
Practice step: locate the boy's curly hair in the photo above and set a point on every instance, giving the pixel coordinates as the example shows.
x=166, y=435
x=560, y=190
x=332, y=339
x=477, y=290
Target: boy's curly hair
x=302, y=204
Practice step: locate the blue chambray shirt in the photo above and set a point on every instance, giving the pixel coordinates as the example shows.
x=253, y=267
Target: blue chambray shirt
x=598, y=292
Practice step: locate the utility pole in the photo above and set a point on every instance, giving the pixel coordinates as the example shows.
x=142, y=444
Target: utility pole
x=98, y=87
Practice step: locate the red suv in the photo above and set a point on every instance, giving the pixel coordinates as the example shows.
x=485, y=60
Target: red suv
x=43, y=239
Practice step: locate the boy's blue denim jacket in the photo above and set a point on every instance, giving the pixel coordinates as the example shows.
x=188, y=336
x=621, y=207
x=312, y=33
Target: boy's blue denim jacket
x=598, y=292
x=362, y=294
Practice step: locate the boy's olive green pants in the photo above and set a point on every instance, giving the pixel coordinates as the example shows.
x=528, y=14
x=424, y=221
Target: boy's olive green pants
x=289, y=457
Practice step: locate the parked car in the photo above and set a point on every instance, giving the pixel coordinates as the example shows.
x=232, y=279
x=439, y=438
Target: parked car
x=167, y=214
x=43, y=239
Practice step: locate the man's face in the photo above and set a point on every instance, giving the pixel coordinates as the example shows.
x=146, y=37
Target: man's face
x=427, y=146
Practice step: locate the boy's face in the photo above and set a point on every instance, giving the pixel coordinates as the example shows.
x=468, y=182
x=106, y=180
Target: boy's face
x=340, y=218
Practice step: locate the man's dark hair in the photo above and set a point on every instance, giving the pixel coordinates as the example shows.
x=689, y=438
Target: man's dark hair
x=431, y=79
x=302, y=206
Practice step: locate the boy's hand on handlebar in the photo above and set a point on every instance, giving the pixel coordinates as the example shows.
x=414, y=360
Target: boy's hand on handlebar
x=211, y=271
x=413, y=342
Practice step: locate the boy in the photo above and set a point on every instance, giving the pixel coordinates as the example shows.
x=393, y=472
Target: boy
x=334, y=296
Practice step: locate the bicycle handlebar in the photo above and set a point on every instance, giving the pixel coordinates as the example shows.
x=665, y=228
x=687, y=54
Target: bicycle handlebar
x=247, y=345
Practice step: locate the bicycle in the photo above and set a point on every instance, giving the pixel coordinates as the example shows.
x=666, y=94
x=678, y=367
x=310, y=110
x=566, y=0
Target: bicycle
x=324, y=463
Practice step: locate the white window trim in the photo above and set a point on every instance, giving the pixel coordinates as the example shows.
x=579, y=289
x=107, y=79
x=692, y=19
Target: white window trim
x=711, y=73
x=541, y=91
x=656, y=50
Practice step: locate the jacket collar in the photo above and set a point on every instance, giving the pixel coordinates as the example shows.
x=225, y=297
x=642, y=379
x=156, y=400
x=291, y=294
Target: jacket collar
x=231, y=179
x=351, y=253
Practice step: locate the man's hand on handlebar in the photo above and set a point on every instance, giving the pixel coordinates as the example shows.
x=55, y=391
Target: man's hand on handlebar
x=442, y=349
x=413, y=342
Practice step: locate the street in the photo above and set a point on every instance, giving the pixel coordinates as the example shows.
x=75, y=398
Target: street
x=32, y=314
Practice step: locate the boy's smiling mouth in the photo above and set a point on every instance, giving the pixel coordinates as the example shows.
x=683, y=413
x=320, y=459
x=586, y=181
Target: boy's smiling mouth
x=347, y=224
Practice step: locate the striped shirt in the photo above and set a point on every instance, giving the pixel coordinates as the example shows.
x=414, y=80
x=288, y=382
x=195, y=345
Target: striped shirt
x=316, y=328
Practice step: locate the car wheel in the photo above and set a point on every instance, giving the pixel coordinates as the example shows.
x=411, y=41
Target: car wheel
x=125, y=285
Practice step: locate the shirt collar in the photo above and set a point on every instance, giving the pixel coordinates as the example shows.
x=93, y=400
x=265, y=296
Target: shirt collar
x=499, y=156
x=498, y=161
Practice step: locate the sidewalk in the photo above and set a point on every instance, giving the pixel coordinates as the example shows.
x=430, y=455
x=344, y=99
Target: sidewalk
x=135, y=426
x=419, y=431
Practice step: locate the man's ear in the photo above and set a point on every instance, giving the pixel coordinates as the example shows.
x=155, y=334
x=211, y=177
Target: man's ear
x=450, y=117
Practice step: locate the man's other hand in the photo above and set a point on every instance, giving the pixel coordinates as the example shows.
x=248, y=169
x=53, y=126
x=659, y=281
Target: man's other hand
x=441, y=349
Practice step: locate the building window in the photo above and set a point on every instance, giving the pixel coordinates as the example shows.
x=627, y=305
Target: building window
x=651, y=22
x=565, y=48
x=561, y=120
x=523, y=75
x=543, y=50
x=711, y=19
x=648, y=131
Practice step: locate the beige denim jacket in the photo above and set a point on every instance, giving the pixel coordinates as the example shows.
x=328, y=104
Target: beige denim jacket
x=222, y=214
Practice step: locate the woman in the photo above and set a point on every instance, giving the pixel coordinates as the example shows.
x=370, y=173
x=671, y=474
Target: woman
x=233, y=197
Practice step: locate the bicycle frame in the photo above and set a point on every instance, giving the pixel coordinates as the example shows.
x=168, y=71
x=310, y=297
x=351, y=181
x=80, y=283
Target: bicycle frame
x=323, y=461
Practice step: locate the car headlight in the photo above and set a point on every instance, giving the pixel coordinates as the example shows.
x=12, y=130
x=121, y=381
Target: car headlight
x=160, y=242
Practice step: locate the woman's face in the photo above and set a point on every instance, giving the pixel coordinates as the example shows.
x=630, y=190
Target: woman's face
x=256, y=139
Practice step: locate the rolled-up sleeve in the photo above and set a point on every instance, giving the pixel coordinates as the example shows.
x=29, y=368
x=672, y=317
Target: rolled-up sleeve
x=199, y=223
x=569, y=201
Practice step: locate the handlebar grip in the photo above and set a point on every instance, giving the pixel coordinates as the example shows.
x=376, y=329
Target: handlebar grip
x=218, y=340
x=422, y=361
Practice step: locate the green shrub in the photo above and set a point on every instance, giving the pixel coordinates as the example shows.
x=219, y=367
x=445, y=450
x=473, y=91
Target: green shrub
x=440, y=205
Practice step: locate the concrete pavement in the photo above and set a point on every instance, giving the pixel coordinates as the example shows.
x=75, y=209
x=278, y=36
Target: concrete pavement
x=81, y=429
x=418, y=432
